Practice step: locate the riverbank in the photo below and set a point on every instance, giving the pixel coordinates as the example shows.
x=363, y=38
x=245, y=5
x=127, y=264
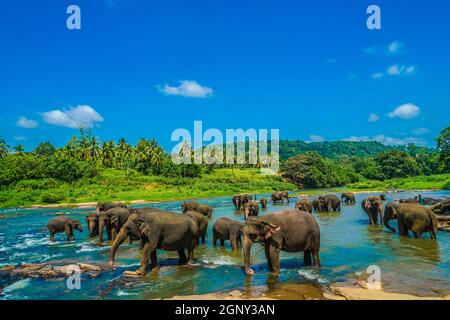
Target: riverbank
x=116, y=186
x=339, y=291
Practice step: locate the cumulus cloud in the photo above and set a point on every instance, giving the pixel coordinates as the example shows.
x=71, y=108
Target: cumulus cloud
x=187, y=88
x=24, y=122
x=315, y=138
x=394, y=48
x=406, y=112
x=82, y=116
x=373, y=117
x=20, y=138
x=387, y=140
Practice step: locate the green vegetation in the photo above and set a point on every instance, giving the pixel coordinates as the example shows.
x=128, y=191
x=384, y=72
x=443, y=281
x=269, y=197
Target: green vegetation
x=86, y=169
x=114, y=185
x=433, y=182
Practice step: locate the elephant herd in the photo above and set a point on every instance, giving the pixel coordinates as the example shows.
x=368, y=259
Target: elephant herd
x=290, y=230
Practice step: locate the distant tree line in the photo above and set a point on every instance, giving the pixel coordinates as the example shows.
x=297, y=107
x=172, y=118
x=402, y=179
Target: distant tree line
x=84, y=155
x=312, y=170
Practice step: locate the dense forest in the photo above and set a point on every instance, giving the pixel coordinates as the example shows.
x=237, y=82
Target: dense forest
x=311, y=165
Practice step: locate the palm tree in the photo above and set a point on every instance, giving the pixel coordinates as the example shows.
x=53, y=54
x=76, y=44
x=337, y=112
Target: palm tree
x=19, y=149
x=108, y=153
x=3, y=148
x=124, y=154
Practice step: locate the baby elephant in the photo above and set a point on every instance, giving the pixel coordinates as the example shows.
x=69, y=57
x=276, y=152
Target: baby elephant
x=63, y=224
x=304, y=205
x=227, y=229
x=263, y=203
x=251, y=209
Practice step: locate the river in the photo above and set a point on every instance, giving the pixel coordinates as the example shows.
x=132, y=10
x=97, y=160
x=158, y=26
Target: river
x=349, y=245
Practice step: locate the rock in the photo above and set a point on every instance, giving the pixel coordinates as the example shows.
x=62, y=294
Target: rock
x=47, y=271
x=62, y=213
x=235, y=293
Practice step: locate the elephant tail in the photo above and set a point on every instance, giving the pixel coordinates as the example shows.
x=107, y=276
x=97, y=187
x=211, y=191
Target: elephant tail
x=434, y=222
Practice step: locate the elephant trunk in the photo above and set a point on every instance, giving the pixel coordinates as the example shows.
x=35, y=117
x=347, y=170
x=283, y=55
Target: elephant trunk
x=119, y=240
x=91, y=227
x=101, y=226
x=247, y=246
x=381, y=212
x=386, y=223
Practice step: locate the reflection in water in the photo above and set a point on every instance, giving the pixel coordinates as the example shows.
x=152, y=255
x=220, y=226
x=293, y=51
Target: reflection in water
x=348, y=246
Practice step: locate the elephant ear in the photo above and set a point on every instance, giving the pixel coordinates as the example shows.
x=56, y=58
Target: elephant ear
x=143, y=227
x=270, y=229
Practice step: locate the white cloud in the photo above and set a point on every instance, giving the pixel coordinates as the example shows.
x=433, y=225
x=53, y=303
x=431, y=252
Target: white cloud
x=406, y=112
x=24, y=122
x=82, y=116
x=315, y=138
x=387, y=140
x=420, y=131
x=377, y=75
x=187, y=88
x=394, y=48
x=396, y=70
x=373, y=117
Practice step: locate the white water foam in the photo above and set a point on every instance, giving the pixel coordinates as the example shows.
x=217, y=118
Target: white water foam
x=312, y=275
x=220, y=261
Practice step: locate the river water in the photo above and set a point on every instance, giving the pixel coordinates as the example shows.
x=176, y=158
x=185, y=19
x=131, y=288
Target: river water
x=349, y=245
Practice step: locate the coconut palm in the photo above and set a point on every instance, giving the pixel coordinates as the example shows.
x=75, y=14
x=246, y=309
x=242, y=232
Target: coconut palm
x=3, y=148
x=108, y=153
x=19, y=149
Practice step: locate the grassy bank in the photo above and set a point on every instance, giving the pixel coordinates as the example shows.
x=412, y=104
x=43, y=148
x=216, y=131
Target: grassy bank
x=433, y=182
x=114, y=185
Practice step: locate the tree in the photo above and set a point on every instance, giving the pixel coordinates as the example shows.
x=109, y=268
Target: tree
x=3, y=148
x=397, y=164
x=19, y=149
x=44, y=149
x=108, y=153
x=443, y=148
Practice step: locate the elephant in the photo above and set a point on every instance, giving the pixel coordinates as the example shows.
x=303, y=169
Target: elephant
x=349, y=198
x=373, y=206
x=428, y=201
x=316, y=205
x=410, y=200
x=227, y=229
x=92, y=223
x=280, y=196
x=157, y=230
x=204, y=209
x=329, y=203
x=112, y=220
x=287, y=230
x=304, y=205
x=239, y=200
x=105, y=206
x=410, y=216
x=251, y=208
x=263, y=202
x=202, y=224
x=63, y=224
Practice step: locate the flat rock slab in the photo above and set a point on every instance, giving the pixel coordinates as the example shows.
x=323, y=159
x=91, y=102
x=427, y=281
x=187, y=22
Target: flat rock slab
x=48, y=271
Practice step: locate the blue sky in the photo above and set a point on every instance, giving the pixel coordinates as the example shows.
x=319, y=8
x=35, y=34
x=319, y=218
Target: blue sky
x=144, y=68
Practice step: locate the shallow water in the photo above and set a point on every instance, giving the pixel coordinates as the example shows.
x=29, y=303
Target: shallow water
x=348, y=246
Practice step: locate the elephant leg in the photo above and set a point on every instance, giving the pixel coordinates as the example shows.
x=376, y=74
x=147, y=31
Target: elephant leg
x=267, y=252
x=233, y=242
x=182, y=256
x=239, y=242
x=190, y=253
x=146, y=253
x=316, y=258
x=402, y=229
x=214, y=238
x=274, y=258
x=52, y=236
x=307, y=258
x=154, y=262
x=222, y=243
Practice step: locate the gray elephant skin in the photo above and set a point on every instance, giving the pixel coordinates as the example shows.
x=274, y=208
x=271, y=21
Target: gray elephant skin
x=158, y=230
x=411, y=217
x=63, y=224
x=289, y=230
x=227, y=229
